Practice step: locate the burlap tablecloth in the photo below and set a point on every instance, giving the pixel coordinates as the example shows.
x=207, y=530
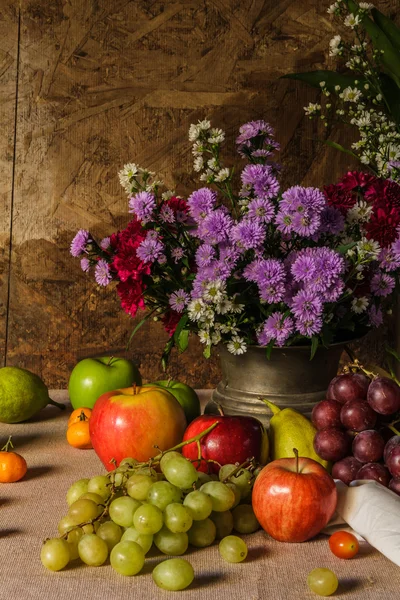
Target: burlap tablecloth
x=31, y=508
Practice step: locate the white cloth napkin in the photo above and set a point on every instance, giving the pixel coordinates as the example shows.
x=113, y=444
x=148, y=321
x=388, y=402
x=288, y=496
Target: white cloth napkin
x=372, y=513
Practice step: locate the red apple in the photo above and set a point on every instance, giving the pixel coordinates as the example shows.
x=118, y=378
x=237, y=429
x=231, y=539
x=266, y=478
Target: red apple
x=234, y=439
x=294, y=499
x=130, y=422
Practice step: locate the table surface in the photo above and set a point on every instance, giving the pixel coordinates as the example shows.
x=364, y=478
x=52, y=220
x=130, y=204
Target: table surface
x=31, y=508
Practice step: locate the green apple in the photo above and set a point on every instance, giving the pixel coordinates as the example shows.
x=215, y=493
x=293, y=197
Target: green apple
x=92, y=377
x=185, y=395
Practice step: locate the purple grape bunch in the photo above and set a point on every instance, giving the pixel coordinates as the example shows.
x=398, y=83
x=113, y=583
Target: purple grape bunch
x=353, y=432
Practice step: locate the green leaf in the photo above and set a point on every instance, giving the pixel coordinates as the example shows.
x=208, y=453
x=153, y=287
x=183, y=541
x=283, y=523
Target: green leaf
x=388, y=27
x=269, y=349
x=181, y=325
x=393, y=352
x=391, y=94
x=207, y=351
x=340, y=147
x=314, y=346
x=331, y=78
x=183, y=340
x=390, y=57
x=167, y=351
x=326, y=335
x=345, y=247
x=138, y=326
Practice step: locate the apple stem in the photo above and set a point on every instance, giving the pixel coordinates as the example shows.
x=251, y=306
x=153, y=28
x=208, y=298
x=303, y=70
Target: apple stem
x=109, y=361
x=134, y=389
x=296, y=453
x=8, y=445
x=58, y=404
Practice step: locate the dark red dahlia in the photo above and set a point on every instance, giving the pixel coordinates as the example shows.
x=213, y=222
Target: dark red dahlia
x=170, y=321
x=383, y=191
x=131, y=295
x=340, y=198
x=356, y=181
x=382, y=226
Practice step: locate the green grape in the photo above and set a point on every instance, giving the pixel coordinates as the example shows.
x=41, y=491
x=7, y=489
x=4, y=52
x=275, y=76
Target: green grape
x=236, y=491
x=203, y=478
x=93, y=551
x=199, y=504
x=122, y=509
x=225, y=471
x=91, y=496
x=222, y=497
x=223, y=522
x=128, y=462
x=322, y=582
x=111, y=533
x=244, y=481
x=76, y=490
x=173, y=574
x=180, y=472
x=65, y=523
x=148, y=519
x=90, y=527
x=167, y=457
x=163, y=493
x=178, y=518
x=73, y=538
x=145, y=540
x=244, y=519
x=202, y=533
x=233, y=549
x=138, y=486
x=83, y=510
x=118, y=477
x=100, y=484
x=55, y=554
x=127, y=558
x=171, y=543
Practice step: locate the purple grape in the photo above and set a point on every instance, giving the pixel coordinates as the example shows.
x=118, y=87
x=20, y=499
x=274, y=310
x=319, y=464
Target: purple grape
x=332, y=443
x=368, y=446
x=346, y=469
x=326, y=414
x=394, y=485
x=384, y=396
x=393, y=461
x=357, y=415
x=350, y=386
x=390, y=444
x=375, y=471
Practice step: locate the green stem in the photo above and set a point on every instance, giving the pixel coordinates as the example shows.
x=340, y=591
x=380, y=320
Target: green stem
x=296, y=453
x=392, y=428
x=8, y=445
x=58, y=404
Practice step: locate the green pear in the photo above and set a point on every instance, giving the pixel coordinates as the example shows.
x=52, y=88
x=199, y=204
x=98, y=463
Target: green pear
x=22, y=395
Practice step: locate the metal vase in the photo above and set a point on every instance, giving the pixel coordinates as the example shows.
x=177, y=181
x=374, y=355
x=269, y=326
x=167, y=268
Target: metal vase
x=289, y=379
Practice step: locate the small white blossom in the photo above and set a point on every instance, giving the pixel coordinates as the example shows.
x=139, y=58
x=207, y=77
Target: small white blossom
x=196, y=309
x=125, y=175
x=359, y=213
x=350, y=94
x=333, y=7
x=322, y=84
x=337, y=88
x=352, y=21
x=198, y=163
x=197, y=149
x=207, y=176
x=168, y=194
x=194, y=132
x=312, y=108
x=335, y=45
x=359, y=305
x=215, y=337
x=237, y=345
x=214, y=291
x=216, y=136
x=366, y=6
x=212, y=164
x=368, y=249
x=204, y=125
x=223, y=174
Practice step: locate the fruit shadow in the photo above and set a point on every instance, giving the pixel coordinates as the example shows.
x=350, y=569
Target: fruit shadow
x=48, y=413
x=349, y=585
x=4, y=533
x=20, y=441
x=256, y=553
x=34, y=472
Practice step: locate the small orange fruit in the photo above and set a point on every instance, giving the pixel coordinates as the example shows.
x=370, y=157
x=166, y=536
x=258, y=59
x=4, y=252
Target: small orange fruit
x=78, y=435
x=76, y=415
x=13, y=466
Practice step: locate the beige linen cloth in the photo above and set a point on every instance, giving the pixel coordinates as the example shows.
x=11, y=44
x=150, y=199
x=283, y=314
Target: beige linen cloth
x=31, y=508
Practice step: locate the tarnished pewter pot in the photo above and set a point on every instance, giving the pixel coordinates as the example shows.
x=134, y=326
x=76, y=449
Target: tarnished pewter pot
x=289, y=379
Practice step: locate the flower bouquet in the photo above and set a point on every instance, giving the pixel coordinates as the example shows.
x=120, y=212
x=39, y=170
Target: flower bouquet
x=242, y=262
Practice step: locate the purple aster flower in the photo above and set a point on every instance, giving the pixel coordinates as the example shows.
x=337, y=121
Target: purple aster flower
x=306, y=224
x=178, y=300
x=306, y=304
x=201, y=203
x=309, y=326
x=228, y=253
x=167, y=214
x=150, y=250
x=219, y=270
x=303, y=267
x=261, y=210
x=248, y=234
x=266, y=186
x=105, y=243
x=396, y=243
x=375, y=316
x=284, y=222
x=102, y=273
x=215, y=227
x=334, y=291
x=261, y=153
x=143, y=205
x=85, y=264
x=78, y=244
x=252, y=173
x=177, y=254
x=332, y=221
x=382, y=284
x=389, y=259
x=253, y=129
x=277, y=327
x=299, y=198
x=205, y=254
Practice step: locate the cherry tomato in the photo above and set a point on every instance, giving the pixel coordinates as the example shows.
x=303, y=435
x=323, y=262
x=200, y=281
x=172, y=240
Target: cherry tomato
x=12, y=465
x=79, y=414
x=344, y=544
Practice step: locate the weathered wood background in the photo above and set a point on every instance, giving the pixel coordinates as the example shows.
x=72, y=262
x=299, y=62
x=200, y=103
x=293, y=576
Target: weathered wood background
x=88, y=85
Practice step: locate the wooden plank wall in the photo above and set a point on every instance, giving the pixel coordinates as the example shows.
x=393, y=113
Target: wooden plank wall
x=101, y=83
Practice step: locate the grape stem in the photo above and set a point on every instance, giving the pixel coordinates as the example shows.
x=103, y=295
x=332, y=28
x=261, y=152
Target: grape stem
x=355, y=364
x=8, y=445
x=393, y=428
x=244, y=465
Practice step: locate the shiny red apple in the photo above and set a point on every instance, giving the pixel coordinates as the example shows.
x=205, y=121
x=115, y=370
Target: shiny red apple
x=135, y=422
x=234, y=439
x=294, y=499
